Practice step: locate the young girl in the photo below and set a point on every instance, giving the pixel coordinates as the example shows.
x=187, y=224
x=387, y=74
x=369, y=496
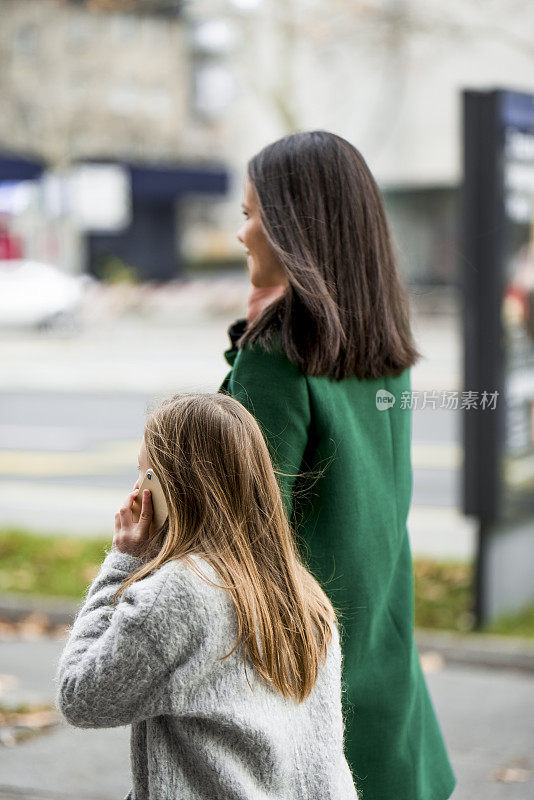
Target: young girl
x=208, y=635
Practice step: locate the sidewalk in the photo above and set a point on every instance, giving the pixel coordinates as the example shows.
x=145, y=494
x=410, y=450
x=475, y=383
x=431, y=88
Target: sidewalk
x=483, y=714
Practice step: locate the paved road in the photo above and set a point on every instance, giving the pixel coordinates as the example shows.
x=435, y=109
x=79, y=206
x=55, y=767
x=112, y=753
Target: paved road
x=73, y=410
x=62, y=453
x=485, y=717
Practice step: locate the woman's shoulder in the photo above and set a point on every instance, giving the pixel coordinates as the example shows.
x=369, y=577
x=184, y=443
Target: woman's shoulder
x=267, y=358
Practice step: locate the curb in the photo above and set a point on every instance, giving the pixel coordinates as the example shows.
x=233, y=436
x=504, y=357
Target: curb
x=18, y=793
x=15, y=607
x=479, y=650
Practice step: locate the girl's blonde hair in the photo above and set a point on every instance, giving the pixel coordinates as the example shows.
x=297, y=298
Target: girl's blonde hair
x=225, y=506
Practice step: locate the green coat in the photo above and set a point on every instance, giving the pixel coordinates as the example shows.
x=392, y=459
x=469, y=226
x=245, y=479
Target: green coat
x=351, y=526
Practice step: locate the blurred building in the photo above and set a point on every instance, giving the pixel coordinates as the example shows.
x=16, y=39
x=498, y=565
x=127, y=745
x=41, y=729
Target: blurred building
x=387, y=75
x=210, y=82
x=99, y=84
x=79, y=83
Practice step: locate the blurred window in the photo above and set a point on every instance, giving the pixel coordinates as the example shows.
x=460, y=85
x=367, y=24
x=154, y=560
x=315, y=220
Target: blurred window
x=423, y=223
x=26, y=40
x=80, y=30
x=123, y=28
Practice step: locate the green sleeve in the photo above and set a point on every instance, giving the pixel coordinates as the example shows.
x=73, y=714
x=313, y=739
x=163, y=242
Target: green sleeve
x=276, y=393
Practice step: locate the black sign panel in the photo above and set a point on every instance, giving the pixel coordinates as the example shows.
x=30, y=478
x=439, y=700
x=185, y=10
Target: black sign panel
x=498, y=276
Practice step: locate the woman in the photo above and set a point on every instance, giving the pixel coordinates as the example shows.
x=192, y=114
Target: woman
x=323, y=362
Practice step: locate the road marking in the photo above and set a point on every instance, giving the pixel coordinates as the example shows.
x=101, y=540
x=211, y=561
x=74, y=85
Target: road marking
x=87, y=511
x=112, y=458
x=109, y=458
x=448, y=455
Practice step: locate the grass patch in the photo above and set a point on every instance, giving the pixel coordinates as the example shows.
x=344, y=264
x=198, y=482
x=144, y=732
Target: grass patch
x=443, y=595
x=48, y=565
x=60, y=566
x=516, y=625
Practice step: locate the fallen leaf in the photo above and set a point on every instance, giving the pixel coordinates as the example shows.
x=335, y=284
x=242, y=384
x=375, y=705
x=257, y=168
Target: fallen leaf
x=431, y=662
x=7, y=738
x=512, y=775
x=7, y=629
x=60, y=631
x=16, y=725
x=8, y=682
x=37, y=719
x=35, y=624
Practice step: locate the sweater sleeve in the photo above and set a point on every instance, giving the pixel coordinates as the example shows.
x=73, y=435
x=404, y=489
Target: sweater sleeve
x=113, y=670
x=276, y=393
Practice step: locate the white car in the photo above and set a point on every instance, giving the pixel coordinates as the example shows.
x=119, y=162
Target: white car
x=36, y=294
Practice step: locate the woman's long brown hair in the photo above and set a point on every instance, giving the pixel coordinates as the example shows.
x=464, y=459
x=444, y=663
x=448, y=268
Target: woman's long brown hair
x=225, y=505
x=345, y=311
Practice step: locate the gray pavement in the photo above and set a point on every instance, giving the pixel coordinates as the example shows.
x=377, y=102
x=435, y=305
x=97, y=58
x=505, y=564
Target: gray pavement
x=485, y=717
x=488, y=730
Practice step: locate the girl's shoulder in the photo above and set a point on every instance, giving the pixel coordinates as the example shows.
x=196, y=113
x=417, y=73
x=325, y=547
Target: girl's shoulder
x=189, y=582
x=189, y=573
x=198, y=575
x=177, y=582
x=176, y=602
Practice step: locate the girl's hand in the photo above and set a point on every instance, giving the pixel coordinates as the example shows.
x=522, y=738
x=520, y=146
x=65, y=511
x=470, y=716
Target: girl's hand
x=260, y=297
x=131, y=534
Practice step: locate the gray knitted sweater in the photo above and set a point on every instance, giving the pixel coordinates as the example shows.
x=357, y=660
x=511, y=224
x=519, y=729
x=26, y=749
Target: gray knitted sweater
x=198, y=731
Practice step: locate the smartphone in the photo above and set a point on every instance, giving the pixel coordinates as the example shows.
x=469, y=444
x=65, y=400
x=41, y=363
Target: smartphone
x=159, y=504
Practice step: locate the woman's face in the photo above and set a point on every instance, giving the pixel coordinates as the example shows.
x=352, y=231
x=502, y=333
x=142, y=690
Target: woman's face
x=264, y=267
